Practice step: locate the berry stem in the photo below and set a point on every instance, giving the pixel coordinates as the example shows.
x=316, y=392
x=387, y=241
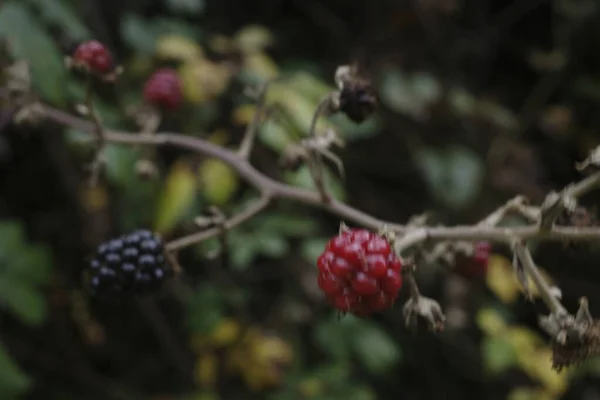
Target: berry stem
x=98, y=130
x=252, y=128
x=253, y=209
x=315, y=160
x=551, y=301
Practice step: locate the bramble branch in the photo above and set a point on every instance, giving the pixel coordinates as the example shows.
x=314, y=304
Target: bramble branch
x=279, y=190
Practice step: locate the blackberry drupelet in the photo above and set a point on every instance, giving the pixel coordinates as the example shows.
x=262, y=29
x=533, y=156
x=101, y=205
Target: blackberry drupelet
x=132, y=263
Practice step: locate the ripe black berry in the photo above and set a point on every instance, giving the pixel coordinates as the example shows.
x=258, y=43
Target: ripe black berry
x=132, y=263
x=358, y=99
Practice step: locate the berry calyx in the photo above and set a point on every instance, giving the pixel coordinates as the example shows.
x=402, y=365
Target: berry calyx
x=93, y=56
x=163, y=89
x=359, y=273
x=134, y=263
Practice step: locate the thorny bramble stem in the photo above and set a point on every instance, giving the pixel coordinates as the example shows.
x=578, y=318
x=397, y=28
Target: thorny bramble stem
x=315, y=162
x=92, y=113
x=276, y=189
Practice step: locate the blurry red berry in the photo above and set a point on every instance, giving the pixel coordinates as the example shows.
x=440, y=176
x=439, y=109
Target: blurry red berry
x=163, y=89
x=359, y=273
x=476, y=267
x=94, y=56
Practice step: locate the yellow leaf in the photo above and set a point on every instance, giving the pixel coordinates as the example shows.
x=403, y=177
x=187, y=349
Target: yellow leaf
x=243, y=115
x=253, y=38
x=219, y=181
x=311, y=387
x=490, y=321
x=225, y=333
x=179, y=48
x=176, y=197
x=540, y=367
x=94, y=198
x=501, y=279
x=203, y=80
x=221, y=44
x=261, y=65
x=206, y=369
x=525, y=393
x=220, y=137
x=524, y=340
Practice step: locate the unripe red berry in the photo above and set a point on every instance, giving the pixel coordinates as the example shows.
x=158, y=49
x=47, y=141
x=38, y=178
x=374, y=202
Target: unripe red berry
x=94, y=56
x=163, y=89
x=359, y=273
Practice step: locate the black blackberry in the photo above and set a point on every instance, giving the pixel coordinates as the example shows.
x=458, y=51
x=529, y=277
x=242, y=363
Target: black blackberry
x=357, y=99
x=132, y=263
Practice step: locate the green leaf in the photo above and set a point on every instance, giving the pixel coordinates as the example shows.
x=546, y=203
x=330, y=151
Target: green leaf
x=375, y=348
x=193, y=7
x=275, y=135
x=33, y=265
x=120, y=164
x=205, y=309
x=23, y=299
x=31, y=42
x=219, y=181
x=273, y=245
x=138, y=33
x=408, y=94
x=351, y=131
x=312, y=248
x=288, y=225
x=331, y=336
x=177, y=196
x=56, y=11
x=13, y=381
x=498, y=354
x=453, y=174
x=303, y=179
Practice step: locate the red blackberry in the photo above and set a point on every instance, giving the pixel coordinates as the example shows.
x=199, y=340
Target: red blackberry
x=476, y=266
x=134, y=263
x=93, y=56
x=163, y=89
x=359, y=272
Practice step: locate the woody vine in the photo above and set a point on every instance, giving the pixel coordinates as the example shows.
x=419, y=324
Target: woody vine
x=401, y=248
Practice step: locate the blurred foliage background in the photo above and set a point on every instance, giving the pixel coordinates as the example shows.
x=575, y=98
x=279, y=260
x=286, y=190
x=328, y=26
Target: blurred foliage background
x=480, y=100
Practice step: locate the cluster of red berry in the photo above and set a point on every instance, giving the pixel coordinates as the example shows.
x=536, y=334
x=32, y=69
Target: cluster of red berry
x=162, y=89
x=359, y=273
x=476, y=266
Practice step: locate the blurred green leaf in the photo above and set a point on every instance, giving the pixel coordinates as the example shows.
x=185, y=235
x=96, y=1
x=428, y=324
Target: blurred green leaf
x=272, y=245
x=120, y=164
x=453, y=174
x=287, y=224
x=23, y=299
x=312, y=248
x=375, y=348
x=303, y=179
x=275, y=135
x=408, y=93
x=13, y=381
x=331, y=337
x=32, y=265
x=178, y=194
x=186, y=6
x=498, y=354
x=56, y=11
x=138, y=33
x=31, y=42
x=350, y=131
x=205, y=309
